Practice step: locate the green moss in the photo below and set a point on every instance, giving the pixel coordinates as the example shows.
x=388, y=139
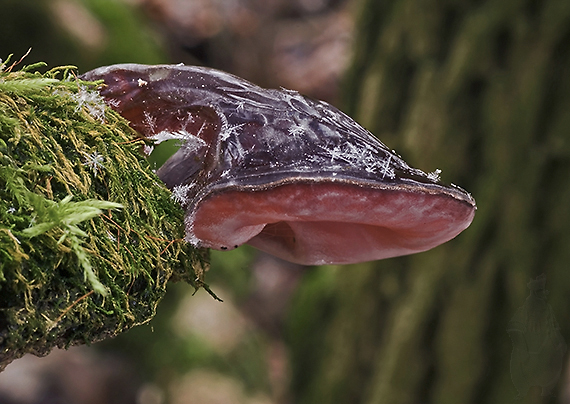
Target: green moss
x=89, y=236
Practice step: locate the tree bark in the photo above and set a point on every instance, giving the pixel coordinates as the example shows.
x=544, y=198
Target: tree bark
x=480, y=90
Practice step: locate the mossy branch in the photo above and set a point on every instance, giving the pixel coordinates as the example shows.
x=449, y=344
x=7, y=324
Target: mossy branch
x=80, y=212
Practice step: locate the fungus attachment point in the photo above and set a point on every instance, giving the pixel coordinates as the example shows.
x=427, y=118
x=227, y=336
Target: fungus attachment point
x=291, y=176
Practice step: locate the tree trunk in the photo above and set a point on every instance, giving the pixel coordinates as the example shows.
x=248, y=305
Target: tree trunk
x=481, y=90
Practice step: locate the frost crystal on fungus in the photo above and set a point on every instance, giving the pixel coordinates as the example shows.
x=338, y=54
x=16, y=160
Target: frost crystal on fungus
x=434, y=176
x=91, y=101
x=179, y=193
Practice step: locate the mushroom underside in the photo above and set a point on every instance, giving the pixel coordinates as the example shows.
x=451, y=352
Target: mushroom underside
x=330, y=223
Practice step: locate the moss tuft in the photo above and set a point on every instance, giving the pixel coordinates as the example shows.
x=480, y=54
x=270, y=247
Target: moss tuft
x=89, y=236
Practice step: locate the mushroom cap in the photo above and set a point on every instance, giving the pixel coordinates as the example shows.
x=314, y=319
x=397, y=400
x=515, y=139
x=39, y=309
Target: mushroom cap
x=289, y=175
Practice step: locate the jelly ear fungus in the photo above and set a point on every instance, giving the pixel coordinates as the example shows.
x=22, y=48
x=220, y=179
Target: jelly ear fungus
x=289, y=175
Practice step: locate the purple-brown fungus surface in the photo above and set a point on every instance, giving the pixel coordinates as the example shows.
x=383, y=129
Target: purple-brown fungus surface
x=289, y=175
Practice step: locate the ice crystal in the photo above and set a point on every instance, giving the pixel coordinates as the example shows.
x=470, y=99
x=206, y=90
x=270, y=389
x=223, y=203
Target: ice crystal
x=94, y=161
x=91, y=101
x=240, y=106
x=147, y=149
x=296, y=131
x=387, y=171
x=335, y=153
x=232, y=130
x=179, y=193
x=111, y=236
x=300, y=128
x=435, y=175
x=150, y=121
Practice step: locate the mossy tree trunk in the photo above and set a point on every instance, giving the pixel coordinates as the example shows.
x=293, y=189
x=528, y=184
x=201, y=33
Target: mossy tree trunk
x=481, y=90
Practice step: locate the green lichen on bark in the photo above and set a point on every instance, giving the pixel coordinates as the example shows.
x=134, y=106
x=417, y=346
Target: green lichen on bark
x=89, y=236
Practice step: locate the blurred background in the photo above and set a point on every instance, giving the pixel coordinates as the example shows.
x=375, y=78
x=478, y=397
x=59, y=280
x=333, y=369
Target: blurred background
x=477, y=88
